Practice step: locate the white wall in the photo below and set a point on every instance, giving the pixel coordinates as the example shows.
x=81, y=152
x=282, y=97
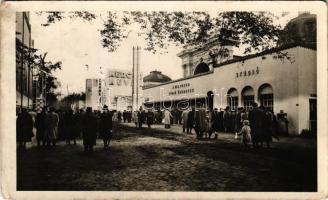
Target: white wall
x=292, y=80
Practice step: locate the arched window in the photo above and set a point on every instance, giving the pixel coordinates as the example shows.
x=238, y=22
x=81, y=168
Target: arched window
x=266, y=96
x=248, y=97
x=201, y=68
x=232, y=98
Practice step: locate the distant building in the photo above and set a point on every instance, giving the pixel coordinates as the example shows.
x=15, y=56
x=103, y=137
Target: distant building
x=115, y=91
x=155, y=78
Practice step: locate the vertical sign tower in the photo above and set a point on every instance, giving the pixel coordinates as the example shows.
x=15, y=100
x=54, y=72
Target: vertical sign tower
x=135, y=78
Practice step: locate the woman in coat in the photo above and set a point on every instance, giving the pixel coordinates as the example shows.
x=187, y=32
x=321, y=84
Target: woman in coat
x=51, y=133
x=167, y=118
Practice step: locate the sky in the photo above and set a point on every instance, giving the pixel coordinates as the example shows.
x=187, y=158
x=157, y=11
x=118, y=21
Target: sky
x=76, y=44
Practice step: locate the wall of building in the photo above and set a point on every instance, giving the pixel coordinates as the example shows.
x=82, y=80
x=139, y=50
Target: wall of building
x=24, y=86
x=292, y=79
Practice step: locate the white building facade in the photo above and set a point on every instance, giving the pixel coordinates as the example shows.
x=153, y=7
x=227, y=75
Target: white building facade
x=115, y=91
x=281, y=83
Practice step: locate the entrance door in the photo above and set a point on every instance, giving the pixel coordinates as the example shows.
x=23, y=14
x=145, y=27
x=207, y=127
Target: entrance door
x=313, y=115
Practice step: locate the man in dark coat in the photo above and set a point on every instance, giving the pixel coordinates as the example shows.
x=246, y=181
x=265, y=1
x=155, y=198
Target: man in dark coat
x=71, y=130
x=40, y=126
x=256, y=117
x=106, y=126
x=269, y=125
x=215, y=123
x=190, y=121
x=90, y=128
x=150, y=118
x=24, y=127
x=200, y=121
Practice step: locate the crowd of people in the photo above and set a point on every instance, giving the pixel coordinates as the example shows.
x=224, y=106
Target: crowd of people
x=255, y=126
x=52, y=125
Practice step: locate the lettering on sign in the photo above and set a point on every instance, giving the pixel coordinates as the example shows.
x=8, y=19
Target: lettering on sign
x=119, y=78
x=183, y=88
x=248, y=72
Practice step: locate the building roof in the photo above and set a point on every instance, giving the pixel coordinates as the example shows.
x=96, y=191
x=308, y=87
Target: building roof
x=242, y=58
x=312, y=46
x=156, y=76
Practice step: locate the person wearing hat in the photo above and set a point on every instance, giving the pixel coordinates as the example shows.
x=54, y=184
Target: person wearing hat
x=245, y=132
x=90, y=128
x=106, y=126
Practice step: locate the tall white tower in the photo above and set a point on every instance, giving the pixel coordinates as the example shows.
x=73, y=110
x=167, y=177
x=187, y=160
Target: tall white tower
x=136, y=79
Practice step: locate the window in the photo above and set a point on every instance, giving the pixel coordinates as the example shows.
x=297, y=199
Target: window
x=232, y=99
x=248, y=97
x=248, y=101
x=267, y=101
x=266, y=96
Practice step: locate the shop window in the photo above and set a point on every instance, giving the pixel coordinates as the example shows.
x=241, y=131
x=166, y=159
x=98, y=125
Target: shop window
x=266, y=96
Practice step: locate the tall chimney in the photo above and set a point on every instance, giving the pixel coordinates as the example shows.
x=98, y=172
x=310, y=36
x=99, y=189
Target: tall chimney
x=135, y=78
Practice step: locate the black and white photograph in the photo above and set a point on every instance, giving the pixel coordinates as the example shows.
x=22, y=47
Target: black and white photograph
x=167, y=98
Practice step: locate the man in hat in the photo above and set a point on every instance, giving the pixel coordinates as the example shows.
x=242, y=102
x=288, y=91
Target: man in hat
x=106, y=126
x=90, y=127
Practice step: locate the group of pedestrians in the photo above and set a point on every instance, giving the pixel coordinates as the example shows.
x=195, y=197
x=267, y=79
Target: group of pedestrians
x=143, y=116
x=255, y=126
x=88, y=124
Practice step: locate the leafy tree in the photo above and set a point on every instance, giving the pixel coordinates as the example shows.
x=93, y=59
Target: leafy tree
x=32, y=57
x=70, y=99
x=255, y=30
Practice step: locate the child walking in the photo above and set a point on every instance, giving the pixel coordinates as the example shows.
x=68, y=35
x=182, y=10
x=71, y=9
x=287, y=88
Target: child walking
x=245, y=132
